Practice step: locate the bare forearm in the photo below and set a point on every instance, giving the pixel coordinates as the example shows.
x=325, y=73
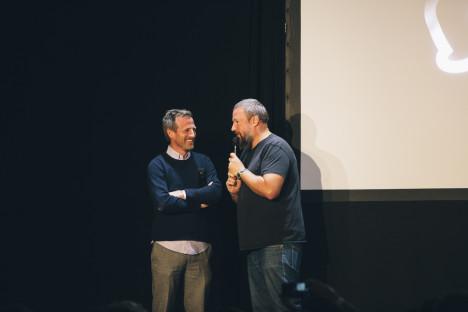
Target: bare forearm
x=262, y=185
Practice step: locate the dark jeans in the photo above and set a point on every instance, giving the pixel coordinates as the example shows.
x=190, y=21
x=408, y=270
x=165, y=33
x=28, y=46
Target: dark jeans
x=269, y=268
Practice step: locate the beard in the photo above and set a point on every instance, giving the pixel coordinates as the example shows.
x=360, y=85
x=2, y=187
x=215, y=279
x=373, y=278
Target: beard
x=245, y=142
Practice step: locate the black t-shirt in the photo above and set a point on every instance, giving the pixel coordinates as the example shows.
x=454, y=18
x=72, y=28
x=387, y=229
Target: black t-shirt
x=263, y=222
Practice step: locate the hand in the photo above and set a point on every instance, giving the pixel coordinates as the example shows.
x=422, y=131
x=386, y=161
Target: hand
x=235, y=165
x=233, y=184
x=205, y=205
x=178, y=193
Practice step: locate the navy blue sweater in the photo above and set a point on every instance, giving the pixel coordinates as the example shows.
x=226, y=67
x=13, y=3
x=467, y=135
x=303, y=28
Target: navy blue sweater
x=175, y=218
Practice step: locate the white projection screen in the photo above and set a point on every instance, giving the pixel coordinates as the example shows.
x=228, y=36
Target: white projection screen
x=384, y=94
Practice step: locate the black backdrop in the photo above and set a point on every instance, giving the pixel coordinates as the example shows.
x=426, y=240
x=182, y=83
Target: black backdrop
x=87, y=84
x=84, y=87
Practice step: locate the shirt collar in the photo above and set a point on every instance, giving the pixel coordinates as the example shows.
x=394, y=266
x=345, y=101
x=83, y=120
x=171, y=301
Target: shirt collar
x=171, y=152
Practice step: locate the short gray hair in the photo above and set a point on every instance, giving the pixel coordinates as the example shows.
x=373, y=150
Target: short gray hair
x=253, y=107
x=169, y=120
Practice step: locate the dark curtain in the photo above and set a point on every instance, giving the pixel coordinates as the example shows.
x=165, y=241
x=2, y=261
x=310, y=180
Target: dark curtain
x=86, y=87
x=267, y=68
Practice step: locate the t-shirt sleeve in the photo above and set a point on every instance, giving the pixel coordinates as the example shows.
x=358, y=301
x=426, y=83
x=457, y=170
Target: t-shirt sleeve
x=275, y=160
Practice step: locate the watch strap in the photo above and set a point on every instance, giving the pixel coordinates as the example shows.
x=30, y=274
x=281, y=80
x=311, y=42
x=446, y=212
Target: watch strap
x=238, y=175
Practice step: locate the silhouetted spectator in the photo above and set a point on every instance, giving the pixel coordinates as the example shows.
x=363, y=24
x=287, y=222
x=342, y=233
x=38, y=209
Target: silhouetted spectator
x=123, y=306
x=15, y=307
x=453, y=302
x=316, y=297
x=228, y=309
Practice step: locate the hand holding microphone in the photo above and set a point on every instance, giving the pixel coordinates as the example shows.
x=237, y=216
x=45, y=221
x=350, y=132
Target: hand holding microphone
x=232, y=184
x=234, y=148
x=234, y=144
x=235, y=165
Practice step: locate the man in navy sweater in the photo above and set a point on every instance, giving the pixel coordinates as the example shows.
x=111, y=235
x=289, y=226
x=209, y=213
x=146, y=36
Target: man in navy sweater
x=182, y=185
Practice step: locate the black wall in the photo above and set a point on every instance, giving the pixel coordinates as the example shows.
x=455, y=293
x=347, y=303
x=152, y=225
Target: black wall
x=389, y=255
x=86, y=85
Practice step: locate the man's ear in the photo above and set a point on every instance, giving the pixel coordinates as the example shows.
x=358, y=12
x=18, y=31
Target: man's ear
x=170, y=133
x=255, y=120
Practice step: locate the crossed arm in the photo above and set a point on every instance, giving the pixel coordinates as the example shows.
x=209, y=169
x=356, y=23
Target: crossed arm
x=182, y=195
x=174, y=201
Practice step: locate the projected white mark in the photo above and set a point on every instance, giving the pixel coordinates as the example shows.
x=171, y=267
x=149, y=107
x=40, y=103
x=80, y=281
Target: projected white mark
x=443, y=46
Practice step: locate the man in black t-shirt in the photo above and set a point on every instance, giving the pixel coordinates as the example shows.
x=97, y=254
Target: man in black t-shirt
x=264, y=182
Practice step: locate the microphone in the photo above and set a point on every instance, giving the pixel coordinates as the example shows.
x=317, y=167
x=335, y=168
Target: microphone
x=234, y=144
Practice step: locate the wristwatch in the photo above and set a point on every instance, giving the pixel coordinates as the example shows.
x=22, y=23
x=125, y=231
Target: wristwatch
x=238, y=175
